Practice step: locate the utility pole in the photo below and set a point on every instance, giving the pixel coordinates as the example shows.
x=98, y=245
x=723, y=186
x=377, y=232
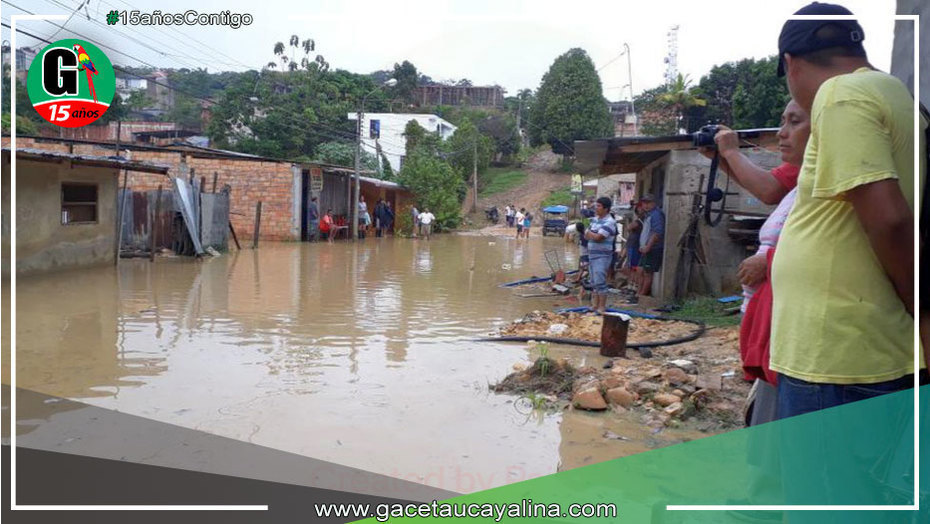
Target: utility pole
x=474, y=176
x=629, y=66
x=353, y=205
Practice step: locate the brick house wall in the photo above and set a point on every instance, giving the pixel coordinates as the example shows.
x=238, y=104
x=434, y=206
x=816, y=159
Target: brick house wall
x=277, y=184
x=250, y=181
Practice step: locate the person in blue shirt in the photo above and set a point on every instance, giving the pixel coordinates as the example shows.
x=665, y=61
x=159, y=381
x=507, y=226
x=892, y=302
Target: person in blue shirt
x=600, y=235
x=651, y=240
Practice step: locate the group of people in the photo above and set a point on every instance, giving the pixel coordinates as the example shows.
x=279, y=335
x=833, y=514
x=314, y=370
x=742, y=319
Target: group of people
x=383, y=217
x=324, y=227
x=640, y=256
x=645, y=245
x=828, y=298
x=521, y=219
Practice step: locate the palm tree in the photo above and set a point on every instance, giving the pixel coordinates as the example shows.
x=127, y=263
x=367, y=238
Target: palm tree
x=679, y=99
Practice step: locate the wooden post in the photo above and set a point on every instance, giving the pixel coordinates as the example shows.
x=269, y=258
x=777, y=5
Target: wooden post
x=613, y=334
x=203, y=184
x=154, y=228
x=215, y=174
x=258, y=224
x=235, y=238
x=190, y=179
x=122, y=211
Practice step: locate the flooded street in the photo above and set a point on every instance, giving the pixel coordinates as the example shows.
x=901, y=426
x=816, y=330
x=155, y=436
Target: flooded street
x=359, y=354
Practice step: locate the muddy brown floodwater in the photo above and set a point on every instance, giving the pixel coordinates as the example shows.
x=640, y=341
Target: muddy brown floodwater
x=359, y=354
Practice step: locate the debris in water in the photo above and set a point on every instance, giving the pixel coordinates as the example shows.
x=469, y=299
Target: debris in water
x=610, y=435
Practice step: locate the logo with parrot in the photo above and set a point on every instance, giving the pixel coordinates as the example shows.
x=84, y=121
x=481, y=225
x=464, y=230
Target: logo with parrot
x=71, y=83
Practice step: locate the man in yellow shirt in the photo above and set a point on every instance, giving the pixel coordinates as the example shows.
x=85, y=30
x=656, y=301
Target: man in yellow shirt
x=843, y=274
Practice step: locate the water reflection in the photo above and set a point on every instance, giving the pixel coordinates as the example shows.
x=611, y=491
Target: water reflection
x=356, y=353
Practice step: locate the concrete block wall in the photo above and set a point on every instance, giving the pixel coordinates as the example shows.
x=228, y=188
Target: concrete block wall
x=42, y=242
x=902, y=54
x=683, y=170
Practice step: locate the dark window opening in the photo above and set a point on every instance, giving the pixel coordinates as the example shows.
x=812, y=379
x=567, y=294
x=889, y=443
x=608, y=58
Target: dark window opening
x=78, y=204
x=374, y=129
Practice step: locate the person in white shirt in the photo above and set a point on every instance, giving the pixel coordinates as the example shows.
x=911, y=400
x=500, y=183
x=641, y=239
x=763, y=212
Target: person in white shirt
x=518, y=219
x=508, y=213
x=426, y=222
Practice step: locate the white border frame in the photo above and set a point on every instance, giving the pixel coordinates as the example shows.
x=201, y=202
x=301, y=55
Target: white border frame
x=69, y=507
x=20, y=507
x=890, y=507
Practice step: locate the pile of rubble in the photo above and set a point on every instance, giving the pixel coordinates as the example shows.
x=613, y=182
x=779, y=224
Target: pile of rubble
x=672, y=392
x=699, y=383
x=587, y=327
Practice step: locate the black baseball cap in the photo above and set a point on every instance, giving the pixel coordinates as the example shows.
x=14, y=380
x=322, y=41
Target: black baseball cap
x=798, y=37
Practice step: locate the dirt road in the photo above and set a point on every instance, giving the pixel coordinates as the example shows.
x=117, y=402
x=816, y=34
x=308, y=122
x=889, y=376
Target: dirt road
x=543, y=178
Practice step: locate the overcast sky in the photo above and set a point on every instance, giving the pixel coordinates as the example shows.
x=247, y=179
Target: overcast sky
x=507, y=42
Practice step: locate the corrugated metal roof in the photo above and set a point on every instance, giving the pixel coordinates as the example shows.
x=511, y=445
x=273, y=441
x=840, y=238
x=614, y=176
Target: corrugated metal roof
x=42, y=155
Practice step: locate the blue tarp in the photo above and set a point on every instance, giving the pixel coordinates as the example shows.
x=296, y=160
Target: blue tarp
x=556, y=209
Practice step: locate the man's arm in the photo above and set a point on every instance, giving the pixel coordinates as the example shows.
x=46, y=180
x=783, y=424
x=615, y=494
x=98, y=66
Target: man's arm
x=755, y=179
x=888, y=222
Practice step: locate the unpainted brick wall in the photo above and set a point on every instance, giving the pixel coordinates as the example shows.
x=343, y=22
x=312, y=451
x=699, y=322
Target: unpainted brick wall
x=250, y=181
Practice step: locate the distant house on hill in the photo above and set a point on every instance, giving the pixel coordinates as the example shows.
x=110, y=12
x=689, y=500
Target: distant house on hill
x=446, y=95
x=384, y=133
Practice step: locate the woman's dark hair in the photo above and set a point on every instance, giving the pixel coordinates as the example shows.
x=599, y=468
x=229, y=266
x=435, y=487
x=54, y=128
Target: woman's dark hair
x=604, y=201
x=579, y=227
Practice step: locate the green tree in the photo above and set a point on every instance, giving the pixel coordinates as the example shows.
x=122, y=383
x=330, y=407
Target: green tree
x=520, y=105
x=28, y=121
x=460, y=149
x=138, y=100
x=655, y=117
x=502, y=129
x=435, y=184
x=743, y=94
x=760, y=101
x=24, y=126
x=679, y=98
x=343, y=154
x=569, y=104
x=413, y=134
x=288, y=114
x=116, y=111
x=406, y=75
x=387, y=172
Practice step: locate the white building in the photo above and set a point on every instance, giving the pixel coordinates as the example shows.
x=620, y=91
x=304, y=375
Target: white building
x=387, y=131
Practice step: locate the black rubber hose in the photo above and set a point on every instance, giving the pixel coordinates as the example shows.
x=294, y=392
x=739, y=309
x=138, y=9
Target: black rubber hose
x=575, y=342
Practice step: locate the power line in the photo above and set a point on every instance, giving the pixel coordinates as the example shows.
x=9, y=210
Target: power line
x=336, y=134
x=612, y=60
x=189, y=37
x=98, y=23
x=76, y=9
x=201, y=46
x=118, y=68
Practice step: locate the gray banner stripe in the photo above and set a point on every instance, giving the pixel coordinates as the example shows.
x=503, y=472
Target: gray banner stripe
x=45, y=477
x=60, y=425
